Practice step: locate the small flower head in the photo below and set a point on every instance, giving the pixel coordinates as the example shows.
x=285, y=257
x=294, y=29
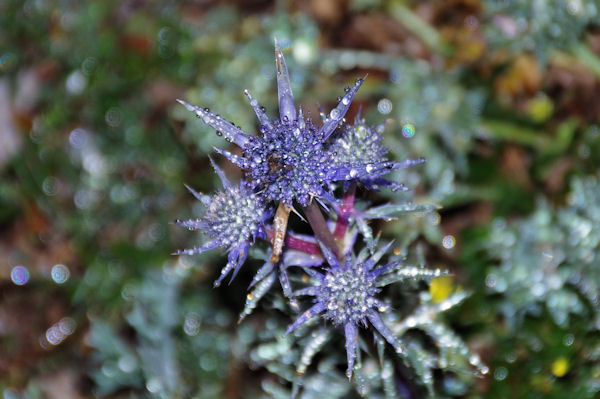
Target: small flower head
x=361, y=144
x=232, y=219
x=348, y=292
x=345, y=294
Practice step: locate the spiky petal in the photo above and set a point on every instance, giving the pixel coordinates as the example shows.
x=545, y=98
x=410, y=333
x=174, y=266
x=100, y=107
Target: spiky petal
x=351, y=344
x=227, y=129
x=263, y=119
x=336, y=115
x=287, y=108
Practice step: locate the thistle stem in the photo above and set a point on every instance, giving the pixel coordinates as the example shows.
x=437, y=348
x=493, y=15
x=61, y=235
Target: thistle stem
x=319, y=226
x=348, y=206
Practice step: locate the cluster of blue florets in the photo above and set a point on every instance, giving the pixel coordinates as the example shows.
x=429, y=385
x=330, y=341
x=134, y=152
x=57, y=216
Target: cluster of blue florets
x=291, y=162
x=346, y=295
x=288, y=162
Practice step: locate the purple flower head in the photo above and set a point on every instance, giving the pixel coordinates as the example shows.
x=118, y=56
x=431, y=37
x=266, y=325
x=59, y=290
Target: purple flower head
x=362, y=144
x=232, y=219
x=345, y=295
x=290, y=159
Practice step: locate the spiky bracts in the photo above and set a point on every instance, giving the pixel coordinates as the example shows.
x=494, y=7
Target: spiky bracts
x=291, y=160
x=345, y=295
x=233, y=219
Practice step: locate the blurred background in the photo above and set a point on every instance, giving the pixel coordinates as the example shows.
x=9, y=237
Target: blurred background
x=501, y=97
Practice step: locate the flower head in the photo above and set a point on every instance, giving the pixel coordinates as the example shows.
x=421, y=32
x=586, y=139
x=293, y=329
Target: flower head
x=290, y=160
x=233, y=218
x=345, y=295
x=360, y=144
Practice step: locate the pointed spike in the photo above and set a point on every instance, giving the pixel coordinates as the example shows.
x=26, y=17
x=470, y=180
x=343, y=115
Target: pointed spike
x=287, y=108
x=253, y=297
x=381, y=127
x=358, y=118
x=301, y=123
x=385, y=268
x=229, y=130
x=351, y=345
x=385, y=332
x=328, y=255
x=378, y=255
x=241, y=258
x=284, y=280
x=306, y=291
x=313, y=273
x=220, y=173
x=197, y=250
x=264, y=271
x=191, y=224
x=316, y=309
x=234, y=159
x=408, y=163
x=232, y=262
x=263, y=119
x=205, y=199
x=338, y=113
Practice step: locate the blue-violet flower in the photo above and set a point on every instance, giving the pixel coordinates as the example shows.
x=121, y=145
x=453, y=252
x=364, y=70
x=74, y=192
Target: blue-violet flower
x=361, y=144
x=345, y=294
x=290, y=159
x=233, y=218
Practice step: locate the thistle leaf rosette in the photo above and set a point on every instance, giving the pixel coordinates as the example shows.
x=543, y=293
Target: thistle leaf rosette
x=233, y=219
x=346, y=295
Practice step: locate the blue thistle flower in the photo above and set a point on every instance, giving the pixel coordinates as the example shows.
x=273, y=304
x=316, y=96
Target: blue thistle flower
x=345, y=294
x=361, y=144
x=290, y=159
x=233, y=219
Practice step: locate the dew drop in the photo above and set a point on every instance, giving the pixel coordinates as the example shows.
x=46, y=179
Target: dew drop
x=448, y=242
x=408, y=130
x=384, y=106
x=500, y=373
x=60, y=273
x=19, y=275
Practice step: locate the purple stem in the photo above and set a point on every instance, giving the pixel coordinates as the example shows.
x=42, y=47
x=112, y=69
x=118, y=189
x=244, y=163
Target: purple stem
x=344, y=212
x=319, y=226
